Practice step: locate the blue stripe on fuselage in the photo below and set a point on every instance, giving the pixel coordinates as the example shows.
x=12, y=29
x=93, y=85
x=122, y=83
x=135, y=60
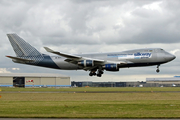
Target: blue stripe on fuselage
x=47, y=62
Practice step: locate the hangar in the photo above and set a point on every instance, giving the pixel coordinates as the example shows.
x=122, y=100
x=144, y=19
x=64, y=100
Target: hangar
x=34, y=80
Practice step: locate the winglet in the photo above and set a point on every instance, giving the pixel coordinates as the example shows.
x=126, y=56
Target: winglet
x=48, y=49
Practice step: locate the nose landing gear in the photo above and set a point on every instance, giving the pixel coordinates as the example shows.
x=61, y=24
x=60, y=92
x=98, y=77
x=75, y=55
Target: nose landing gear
x=157, y=70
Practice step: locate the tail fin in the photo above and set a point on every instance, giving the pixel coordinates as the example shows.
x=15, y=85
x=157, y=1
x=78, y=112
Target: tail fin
x=21, y=47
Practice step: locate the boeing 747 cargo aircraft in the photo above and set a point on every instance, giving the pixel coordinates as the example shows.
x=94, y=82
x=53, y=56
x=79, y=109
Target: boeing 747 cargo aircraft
x=95, y=63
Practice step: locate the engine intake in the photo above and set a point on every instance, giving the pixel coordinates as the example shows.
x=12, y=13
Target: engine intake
x=111, y=67
x=86, y=63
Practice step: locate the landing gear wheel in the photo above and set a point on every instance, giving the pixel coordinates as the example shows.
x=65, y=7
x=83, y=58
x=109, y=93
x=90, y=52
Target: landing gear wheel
x=101, y=72
x=157, y=70
x=90, y=74
x=99, y=75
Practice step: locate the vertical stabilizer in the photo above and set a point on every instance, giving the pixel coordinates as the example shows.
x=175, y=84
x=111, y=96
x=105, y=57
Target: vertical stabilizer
x=21, y=47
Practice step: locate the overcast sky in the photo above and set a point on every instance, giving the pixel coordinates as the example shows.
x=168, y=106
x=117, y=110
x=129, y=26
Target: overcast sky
x=88, y=26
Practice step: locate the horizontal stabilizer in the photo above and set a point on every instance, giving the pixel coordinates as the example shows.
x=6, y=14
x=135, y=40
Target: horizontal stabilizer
x=20, y=59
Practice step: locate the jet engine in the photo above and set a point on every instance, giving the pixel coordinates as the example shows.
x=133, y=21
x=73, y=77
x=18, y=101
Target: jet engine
x=111, y=67
x=86, y=63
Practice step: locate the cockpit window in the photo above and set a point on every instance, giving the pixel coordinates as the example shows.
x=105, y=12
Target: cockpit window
x=161, y=49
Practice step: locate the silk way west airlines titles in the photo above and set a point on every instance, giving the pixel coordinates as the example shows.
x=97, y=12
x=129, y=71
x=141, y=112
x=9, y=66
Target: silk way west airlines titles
x=95, y=63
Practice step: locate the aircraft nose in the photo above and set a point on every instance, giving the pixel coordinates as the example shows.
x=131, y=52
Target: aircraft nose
x=170, y=57
x=173, y=57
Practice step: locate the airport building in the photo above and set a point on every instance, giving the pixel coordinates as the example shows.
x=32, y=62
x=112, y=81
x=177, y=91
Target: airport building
x=165, y=82
x=150, y=82
x=97, y=84
x=57, y=80
x=107, y=84
x=34, y=80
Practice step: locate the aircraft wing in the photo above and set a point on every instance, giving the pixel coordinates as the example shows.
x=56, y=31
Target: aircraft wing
x=75, y=59
x=71, y=57
x=62, y=54
x=20, y=59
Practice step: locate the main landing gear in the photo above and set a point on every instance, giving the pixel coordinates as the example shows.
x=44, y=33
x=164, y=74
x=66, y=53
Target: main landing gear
x=99, y=73
x=157, y=70
x=92, y=73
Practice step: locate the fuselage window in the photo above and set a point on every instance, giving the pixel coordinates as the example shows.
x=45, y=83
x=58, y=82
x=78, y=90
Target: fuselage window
x=150, y=50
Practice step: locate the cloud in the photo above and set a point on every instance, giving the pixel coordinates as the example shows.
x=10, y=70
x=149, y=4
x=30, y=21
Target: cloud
x=174, y=51
x=15, y=68
x=93, y=22
x=82, y=26
x=4, y=70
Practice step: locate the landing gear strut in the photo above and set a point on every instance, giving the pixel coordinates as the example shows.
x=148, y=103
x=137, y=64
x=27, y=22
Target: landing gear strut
x=158, y=69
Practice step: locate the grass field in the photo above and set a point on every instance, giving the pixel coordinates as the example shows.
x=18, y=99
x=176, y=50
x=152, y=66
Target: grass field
x=90, y=105
x=82, y=89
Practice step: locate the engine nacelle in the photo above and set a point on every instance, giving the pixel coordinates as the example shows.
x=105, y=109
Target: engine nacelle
x=86, y=63
x=111, y=67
